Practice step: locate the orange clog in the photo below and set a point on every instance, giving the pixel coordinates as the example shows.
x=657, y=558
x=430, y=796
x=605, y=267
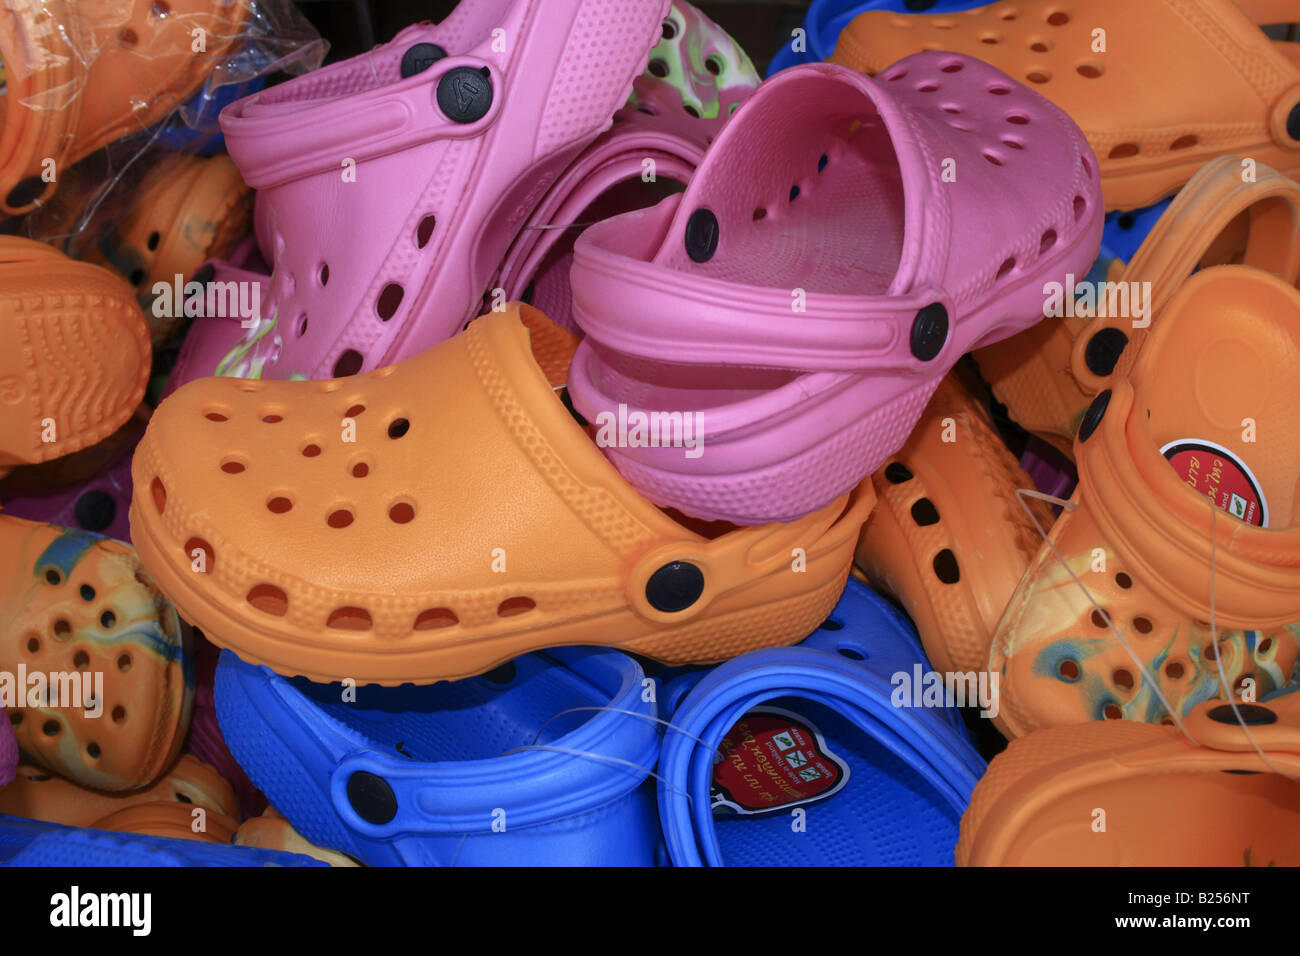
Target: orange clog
x=1121, y=794
x=948, y=537
x=79, y=76
x=1158, y=87
x=1049, y=373
x=433, y=519
x=1179, y=555
x=271, y=831
x=74, y=353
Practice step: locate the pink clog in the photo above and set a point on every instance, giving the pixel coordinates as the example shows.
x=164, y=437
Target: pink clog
x=844, y=241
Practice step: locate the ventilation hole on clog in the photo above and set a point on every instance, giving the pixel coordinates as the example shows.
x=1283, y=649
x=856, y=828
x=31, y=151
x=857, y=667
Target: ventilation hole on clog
x=1038, y=76
x=954, y=67
x=951, y=108
x=1210, y=653
x=1123, y=580
x=1047, y=241
x=999, y=89
x=924, y=513
x=832, y=624
x=1090, y=71
x=249, y=385
x=1123, y=151
x=823, y=162
x=435, y=618
x=928, y=86
x=323, y=273
x=159, y=495
x=398, y=427
x=991, y=39
x=658, y=68
x=33, y=645
x=53, y=576
x=1174, y=670
x=128, y=37
x=272, y=418
x=1018, y=119
x=183, y=797
x=340, y=518
x=124, y=662
x=206, y=555
x=1040, y=46
x=424, y=231
x=852, y=654
x=691, y=111
x=945, y=567
x=1010, y=143
x=1184, y=142
x=360, y=469
x=1264, y=646
x=1080, y=207
x=62, y=629
x=993, y=158
x=1143, y=625
x=81, y=660
x=119, y=714
x=943, y=25
x=1123, y=679
x=350, y=619
x=1009, y=15
x=794, y=193
x=669, y=29
x=896, y=473
x=1005, y=269
x=268, y=599
x=1099, y=618
x=960, y=127
x=403, y=512
x=311, y=450
x=389, y=300
x=515, y=605
x=894, y=77
x=108, y=620
x=87, y=593
x=233, y=466
x=349, y=363
x=1112, y=712
x=714, y=64
x=279, y=505
x=760, y=214
x=213, y=415
x=154, y=239
x=51, y=728
x=1068, y=669
x=1058, y=19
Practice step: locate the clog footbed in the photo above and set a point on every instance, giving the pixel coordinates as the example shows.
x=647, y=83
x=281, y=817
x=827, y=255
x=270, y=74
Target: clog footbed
x=322, y=529
x=77, y=79
x=949, y=537
x=821, y=263
x=77, y=610
x=1047, y=375
x=74, y=353
x=1185, y=527
x=394, y=182
x=1122, y=794
x=1155, y=112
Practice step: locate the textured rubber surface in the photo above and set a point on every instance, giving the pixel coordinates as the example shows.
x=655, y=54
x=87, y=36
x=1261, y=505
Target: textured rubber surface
x=911, y=771
x=802, y=299
x=1154, y=113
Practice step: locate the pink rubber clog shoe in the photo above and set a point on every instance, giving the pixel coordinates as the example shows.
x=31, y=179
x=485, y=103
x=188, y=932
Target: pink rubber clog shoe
x=844, y=241
x=395, y=181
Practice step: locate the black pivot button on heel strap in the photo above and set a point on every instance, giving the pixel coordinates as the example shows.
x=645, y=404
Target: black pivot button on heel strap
x=372, y=797
x=465, y=94
x=929, y=331
x=420, y=57
x=674, y=587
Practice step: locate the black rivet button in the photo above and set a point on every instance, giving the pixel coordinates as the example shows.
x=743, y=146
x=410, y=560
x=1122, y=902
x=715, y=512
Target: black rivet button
x=95, y=510
x=568, y=404
x=929, y=331
x=372, y=798
x=1103, y=351
x=1093, y=416
x=702, y=232
x=1293, y=123
x=674, y=587
x=464, y=94
x=1251, y=714
x=420, y=57
x=25, y=193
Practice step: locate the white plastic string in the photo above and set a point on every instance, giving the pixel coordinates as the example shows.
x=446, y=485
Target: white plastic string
x=618, y=710
x=1021, y=494
x=561, y=225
